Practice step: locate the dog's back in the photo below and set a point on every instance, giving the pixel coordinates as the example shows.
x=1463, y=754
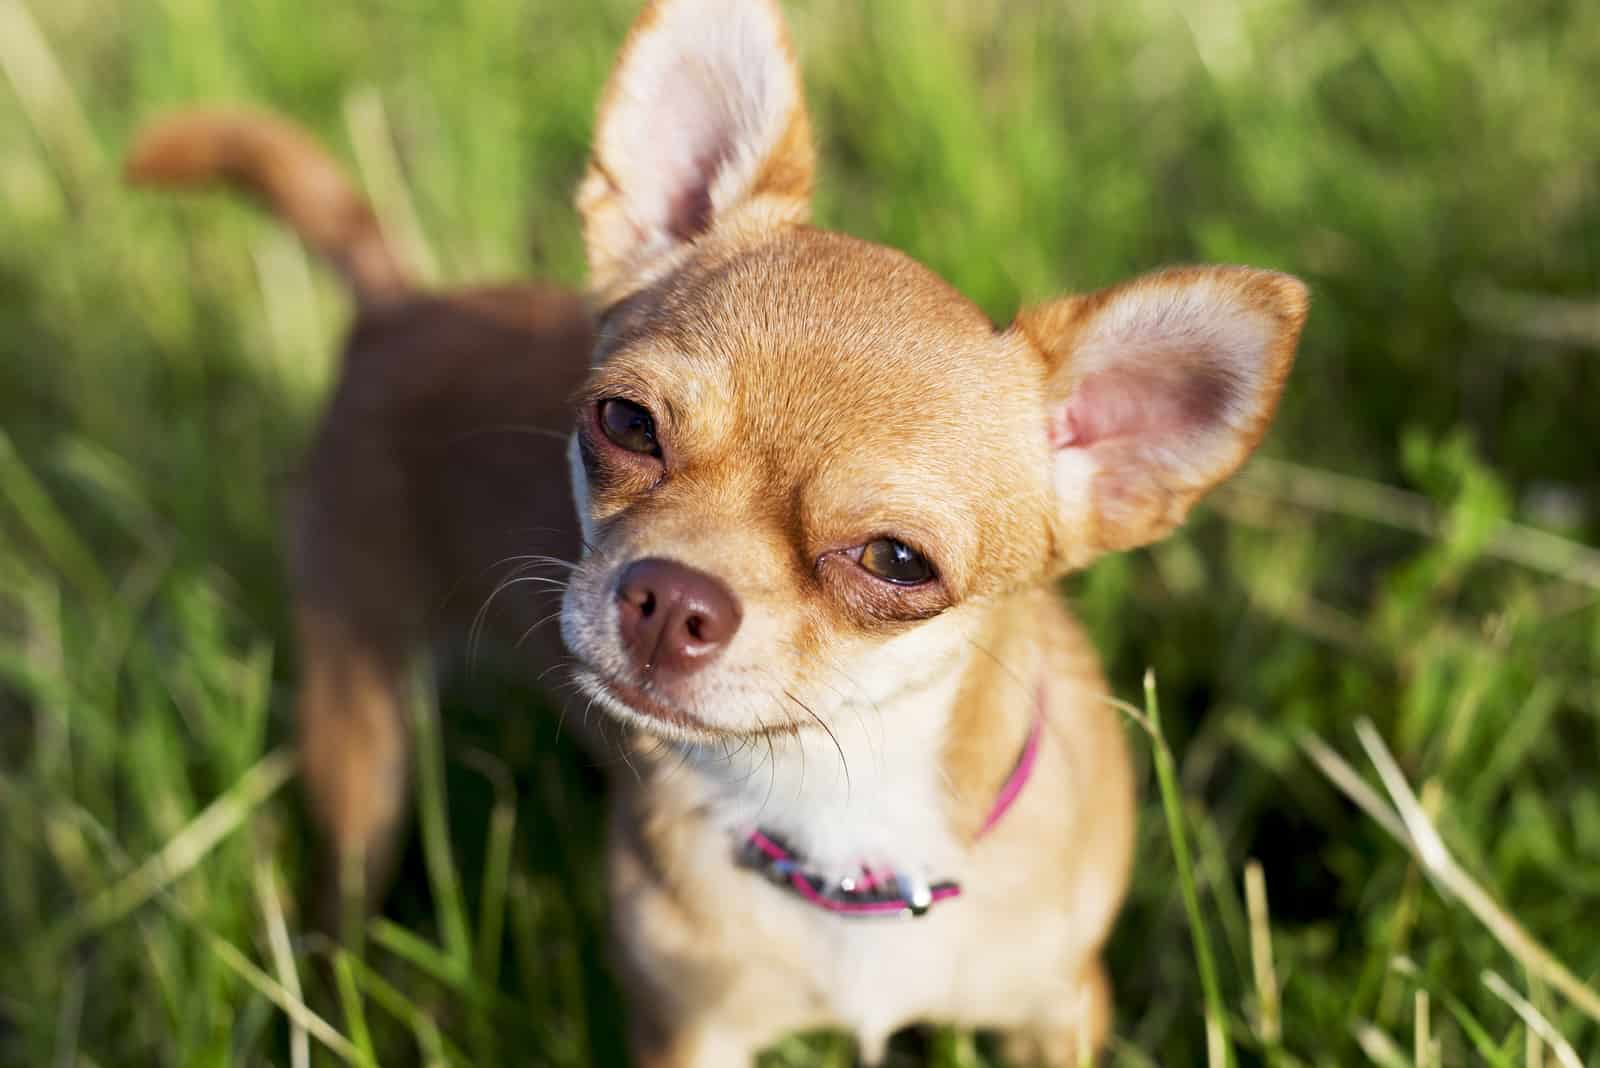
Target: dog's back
x=436, y=490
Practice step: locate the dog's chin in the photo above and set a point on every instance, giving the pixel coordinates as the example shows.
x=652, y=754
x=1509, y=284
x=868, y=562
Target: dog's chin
x=637, y=708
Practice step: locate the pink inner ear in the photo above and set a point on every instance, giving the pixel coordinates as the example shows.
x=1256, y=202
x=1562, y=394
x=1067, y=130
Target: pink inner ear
x=692, y=143
x=675, y=162
x=1148, y=404
x=689, y=209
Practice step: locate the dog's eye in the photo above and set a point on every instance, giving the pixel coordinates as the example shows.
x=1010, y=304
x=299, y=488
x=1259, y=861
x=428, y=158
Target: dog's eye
x=629, y=426
x=896, y=562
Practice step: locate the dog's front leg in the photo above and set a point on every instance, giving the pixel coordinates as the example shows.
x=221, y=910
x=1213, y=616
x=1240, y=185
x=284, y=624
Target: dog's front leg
x=1072, y=1026
x=355, y=758
x=703, y=1046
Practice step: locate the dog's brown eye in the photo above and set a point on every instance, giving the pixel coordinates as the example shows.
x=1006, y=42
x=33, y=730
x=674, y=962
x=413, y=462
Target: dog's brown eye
x=896, y=562
x=629, y=426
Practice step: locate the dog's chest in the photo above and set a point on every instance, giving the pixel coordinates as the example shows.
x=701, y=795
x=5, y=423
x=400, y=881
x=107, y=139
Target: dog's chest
x=880, y=975
x=847, y=802
x=873, y=976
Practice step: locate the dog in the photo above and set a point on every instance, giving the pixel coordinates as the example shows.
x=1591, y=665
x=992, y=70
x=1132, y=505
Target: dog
x=874, y=775
x=434, y=495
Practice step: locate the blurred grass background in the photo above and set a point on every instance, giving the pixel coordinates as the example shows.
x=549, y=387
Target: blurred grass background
x=1410, y=550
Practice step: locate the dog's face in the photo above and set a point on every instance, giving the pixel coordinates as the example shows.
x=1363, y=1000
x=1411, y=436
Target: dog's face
x=803, y=461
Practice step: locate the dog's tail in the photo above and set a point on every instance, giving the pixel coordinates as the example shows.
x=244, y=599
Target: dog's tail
x=285, y=168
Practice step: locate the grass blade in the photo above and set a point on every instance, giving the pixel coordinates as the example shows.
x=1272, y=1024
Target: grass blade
x=1266, y=974
x=1336, y=494
x=50, y=530
x=355, y=1014
x=282, y=957
x=182, y=852
x=1219, y=1048
x=1538, y=1023
x=368, y=123
x=396, y=1004
x=296, y=1009
x=1379, y=1047
x=1476, y=1033
x=1430, y=851
x=47, y=98
x=433, y=815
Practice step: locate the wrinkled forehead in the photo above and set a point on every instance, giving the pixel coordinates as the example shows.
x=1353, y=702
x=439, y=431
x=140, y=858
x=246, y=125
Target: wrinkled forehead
x=812, y=338
x=813, y=331
x=843, y=373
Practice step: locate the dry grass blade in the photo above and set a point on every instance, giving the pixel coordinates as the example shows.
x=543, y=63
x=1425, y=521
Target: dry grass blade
x=289, y=297
x=373, y=141
x=1379, y=1047
x=1537, y=315
x=296, y=1009
x=1325, y=491
x=1351, y=784
x=1413, y=829
x=1421, y=1025
x=47, y=97
x=1537, y=1022
x=182, y=852
x=1266, y=975
x=282, y=956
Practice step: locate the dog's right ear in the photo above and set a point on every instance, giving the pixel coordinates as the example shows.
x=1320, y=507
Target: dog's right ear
x=702, y=124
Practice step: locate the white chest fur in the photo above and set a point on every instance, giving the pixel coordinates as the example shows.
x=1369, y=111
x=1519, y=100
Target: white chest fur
x=875, y=792
x=871, y=789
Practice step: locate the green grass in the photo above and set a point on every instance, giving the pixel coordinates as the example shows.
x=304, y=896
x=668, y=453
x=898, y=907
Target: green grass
x=1411, y=554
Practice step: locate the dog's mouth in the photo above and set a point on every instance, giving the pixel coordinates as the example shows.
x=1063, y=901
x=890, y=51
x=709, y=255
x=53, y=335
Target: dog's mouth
x=637, y=707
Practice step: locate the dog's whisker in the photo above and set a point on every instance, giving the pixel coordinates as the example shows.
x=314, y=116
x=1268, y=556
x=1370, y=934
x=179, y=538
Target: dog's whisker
x=509, y=428
x=529, y=632
x=844, y=763
x=800, y=787
x=538, y=558
x=877, y=751
x=772, y=776
x=550, y=561
x=475, y=631
x=1010, y=673
x=557, y=666
x=622, y=749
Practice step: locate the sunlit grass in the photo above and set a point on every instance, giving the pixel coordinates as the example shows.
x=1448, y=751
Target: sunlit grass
x=1414, y=553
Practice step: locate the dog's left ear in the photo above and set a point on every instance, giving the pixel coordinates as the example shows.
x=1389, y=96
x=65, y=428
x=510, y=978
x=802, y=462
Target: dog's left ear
x=703, y=123
x=1156, y=390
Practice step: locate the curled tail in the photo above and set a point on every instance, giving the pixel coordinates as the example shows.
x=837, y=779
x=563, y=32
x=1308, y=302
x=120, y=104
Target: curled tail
x=284, y=167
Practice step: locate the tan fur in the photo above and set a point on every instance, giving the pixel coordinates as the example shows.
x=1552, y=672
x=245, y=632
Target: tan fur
x=810, y=393
x=714, y=957
x=278, y=163
x=437, y=473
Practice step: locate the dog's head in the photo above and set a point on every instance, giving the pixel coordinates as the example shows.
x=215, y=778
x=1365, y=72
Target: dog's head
x=803, y=461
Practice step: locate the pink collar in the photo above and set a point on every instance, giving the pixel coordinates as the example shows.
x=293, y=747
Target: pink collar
x=880, y=893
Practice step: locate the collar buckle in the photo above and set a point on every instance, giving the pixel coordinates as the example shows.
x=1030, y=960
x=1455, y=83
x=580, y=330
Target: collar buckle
x=873, y=893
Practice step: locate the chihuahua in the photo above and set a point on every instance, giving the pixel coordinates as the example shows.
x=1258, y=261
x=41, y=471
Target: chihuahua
x=434, y=498
x=875, y=777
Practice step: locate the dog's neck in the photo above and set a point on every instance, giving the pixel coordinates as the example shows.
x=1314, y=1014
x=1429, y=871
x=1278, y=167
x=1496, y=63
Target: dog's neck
x=893, y=780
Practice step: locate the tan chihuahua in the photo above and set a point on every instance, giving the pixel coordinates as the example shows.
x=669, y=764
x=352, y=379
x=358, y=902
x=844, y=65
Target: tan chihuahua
x=434, y=500
x=825, y=500
x=875, y=777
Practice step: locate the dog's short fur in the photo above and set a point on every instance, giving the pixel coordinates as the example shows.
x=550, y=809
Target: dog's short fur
x=437, y=475
x=769, y=406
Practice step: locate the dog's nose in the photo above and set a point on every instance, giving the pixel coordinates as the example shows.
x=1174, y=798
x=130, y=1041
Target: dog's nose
x=674, y=619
